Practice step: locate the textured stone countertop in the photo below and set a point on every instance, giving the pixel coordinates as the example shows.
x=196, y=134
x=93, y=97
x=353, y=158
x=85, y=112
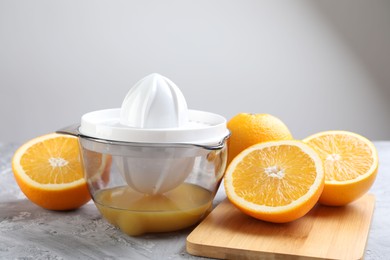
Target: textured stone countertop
x=30, y=232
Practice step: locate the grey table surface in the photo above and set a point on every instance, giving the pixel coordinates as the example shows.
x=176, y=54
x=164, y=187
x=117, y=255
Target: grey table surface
x=30, y=232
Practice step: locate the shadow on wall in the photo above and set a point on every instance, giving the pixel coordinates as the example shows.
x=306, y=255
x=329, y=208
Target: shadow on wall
x=372, y=18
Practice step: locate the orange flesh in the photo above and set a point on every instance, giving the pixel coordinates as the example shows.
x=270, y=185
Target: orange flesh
x=343, y=159
x=54, y=161
x=274, y=176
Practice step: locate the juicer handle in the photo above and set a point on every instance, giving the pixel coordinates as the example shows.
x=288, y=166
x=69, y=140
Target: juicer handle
x=70, y=130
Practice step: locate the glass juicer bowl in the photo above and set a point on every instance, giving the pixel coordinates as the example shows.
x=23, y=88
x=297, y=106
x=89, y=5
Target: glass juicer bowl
x=148, y=175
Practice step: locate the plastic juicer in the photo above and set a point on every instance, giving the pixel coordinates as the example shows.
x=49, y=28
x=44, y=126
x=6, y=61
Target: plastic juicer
x=153, y=165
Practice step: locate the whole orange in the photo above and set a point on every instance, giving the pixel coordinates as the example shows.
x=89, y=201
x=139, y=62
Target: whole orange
x=249, y=129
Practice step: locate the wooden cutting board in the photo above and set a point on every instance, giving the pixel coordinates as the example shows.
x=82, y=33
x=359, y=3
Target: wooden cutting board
x=324, y=233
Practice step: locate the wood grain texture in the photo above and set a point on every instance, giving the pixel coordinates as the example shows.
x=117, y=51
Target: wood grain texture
x=324, y=233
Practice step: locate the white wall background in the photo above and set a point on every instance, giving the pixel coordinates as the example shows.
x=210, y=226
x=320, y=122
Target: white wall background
x=317, y=65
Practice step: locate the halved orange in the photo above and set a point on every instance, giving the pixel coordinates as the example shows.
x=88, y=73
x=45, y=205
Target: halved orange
x=350, y=164
x=275, y=181
x=49, y=171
